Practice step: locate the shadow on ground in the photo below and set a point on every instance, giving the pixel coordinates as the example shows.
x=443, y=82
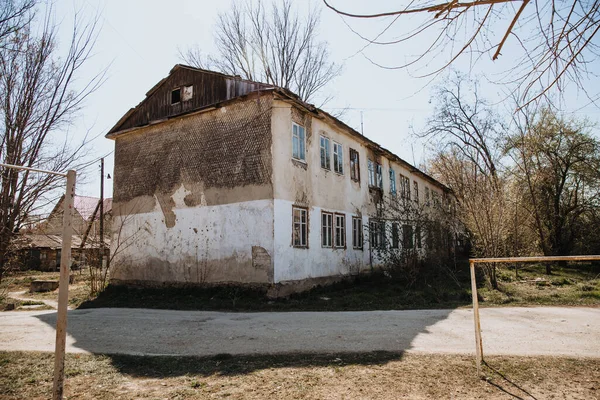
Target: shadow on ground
x=229, y=365
x=363, y=293
x=144, y=342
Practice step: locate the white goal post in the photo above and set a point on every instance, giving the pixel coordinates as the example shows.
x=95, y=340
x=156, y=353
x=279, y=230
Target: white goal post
x=473, y=261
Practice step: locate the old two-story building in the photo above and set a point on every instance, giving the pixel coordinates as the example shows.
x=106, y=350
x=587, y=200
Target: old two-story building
x=222, y=180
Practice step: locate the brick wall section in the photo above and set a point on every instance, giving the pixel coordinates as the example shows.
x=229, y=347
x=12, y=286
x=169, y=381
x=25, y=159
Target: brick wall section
x=224, y=148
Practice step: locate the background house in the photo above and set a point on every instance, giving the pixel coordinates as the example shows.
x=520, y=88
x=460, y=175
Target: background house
x=220, y=180
x=39, y=246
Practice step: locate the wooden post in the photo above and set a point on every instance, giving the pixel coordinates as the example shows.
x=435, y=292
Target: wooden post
x=478, y=344
x=63, y=288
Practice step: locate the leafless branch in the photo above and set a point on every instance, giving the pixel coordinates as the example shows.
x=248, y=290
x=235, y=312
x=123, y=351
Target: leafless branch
x=270, y=44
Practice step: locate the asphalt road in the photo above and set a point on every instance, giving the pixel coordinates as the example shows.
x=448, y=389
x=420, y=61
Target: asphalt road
x=508, y=331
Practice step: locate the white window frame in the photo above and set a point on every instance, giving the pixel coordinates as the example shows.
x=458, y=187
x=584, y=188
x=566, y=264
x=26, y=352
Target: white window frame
x=395, y=242
x=393, y=182
x=340, y=231
x=354, y=165
x=379, y=175
x=416, y=191
x=338, y=158
x=408, y=233
x=326, y=229
x=325, y=152
x=377, y=234
x=299, y=137
x=300, y=227
x=357, y=233
x=371, y=168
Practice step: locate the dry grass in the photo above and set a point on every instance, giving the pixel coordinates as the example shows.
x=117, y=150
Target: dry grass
x=79, y=291
x=334, y=376
x=567, y=286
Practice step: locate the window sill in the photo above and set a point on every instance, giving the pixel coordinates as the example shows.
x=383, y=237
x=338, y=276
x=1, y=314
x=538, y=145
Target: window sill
x=300, y=163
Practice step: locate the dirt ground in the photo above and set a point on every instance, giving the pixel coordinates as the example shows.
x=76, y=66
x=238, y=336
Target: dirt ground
x=18, y=285
x=332, y=376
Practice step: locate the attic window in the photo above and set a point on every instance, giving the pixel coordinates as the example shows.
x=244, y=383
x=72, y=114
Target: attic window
x=175, y=96
x=188, y=93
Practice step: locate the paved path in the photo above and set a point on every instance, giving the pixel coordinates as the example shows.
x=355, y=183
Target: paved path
x=23, y=297
x=510, y=331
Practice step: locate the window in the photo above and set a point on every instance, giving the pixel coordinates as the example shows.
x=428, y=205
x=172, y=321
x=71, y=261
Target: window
x=298, y=142
x=300, y=228
x=338, y=158
x=379, y=176
x=188, y=93
x=404, y=187
x=416, y=191
x=354, y=165
x=357, y=233
x=427, y=196
x=377, y=234
x=371, y=172
x=435, y=199
x=418, y=237
x=340, y=230
x=326, y=229
x=325, y=153
x=407, y=236
x=175, y=96
x=393, y=182
x=395, y=235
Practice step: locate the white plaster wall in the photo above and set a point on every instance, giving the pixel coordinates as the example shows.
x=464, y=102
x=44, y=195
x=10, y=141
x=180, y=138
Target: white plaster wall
x=310, y=186
x=207, y=243
x=293, y=263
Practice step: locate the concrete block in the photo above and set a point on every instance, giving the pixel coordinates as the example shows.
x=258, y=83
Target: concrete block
x=43, y=286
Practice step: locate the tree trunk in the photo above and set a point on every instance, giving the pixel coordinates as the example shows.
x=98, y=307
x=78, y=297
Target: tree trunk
x=548, y=269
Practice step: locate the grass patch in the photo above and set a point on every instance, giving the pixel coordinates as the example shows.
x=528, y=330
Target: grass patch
x=378, y=375
x=372, y=292
x=571, y=285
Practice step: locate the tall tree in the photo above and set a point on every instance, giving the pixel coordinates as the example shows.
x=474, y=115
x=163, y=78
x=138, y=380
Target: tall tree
x=468, y=133
x=270, y=44
x=557, y=166
x=39, y=97
x=549, y=43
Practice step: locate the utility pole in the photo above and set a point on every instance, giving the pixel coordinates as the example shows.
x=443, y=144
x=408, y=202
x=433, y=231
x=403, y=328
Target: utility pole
x=102, y=203
x=102, y=212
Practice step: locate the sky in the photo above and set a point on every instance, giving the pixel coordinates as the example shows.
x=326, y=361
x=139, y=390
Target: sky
x=139, y=41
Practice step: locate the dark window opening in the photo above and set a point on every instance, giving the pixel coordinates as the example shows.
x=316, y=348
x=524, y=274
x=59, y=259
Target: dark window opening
x=175, y=96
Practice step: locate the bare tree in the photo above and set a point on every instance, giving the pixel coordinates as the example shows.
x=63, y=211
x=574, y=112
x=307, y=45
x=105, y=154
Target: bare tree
x=39, y=97
x=270, y=44
x=14, y=16
x=469, y=137
x=552, y=42
x=464, y=122
x=413, y=237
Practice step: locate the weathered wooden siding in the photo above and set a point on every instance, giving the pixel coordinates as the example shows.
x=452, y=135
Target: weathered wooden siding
x=208, y=88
